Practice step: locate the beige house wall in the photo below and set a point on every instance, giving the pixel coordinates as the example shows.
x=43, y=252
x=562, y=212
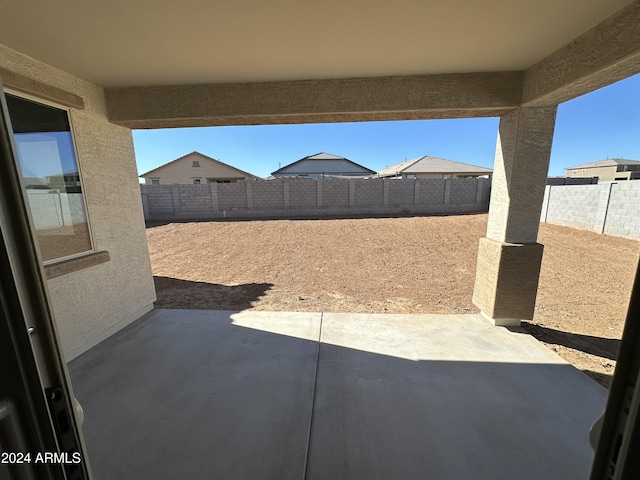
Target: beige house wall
x=605, y=173
x=426, y=175
x=182, y=171
x=94, y=302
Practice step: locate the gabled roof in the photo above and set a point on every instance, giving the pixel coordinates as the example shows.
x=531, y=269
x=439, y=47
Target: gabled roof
x=429, y=164
x=609, y=162
x=206, y=157
x=325, y=157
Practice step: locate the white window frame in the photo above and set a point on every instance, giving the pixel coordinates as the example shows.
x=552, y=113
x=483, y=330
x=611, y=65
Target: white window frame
x=48, y=103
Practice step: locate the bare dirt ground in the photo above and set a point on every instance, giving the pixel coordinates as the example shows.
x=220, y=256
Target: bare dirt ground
x=395, y=265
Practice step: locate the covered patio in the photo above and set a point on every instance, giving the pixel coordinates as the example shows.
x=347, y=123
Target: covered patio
x=267, y=395
x=194, y=394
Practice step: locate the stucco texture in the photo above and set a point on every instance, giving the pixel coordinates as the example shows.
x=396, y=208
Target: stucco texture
x=92, y=303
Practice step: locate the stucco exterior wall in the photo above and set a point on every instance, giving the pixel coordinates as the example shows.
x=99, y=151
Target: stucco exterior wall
x=604, y=173
x=312, y=168
x=442, y=175
x=182, y=171
x=92, y=303
x=425, y=175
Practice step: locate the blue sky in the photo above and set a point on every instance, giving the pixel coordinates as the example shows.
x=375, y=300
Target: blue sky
x=604, y=123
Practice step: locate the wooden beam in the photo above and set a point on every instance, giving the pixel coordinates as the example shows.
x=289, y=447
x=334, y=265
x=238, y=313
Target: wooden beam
x=311, y=101
x=28, y=85
x=603, y=55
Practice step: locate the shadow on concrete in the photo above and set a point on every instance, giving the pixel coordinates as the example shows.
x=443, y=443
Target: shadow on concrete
x=599, y=346
x=189, y=394
x=602, y=378
x=160, y=223
x=384, y=417
x=186, y=294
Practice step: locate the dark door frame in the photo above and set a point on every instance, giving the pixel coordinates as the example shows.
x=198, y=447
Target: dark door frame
x=37, y=417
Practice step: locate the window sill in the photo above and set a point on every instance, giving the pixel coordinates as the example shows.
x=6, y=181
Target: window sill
x=64, y=267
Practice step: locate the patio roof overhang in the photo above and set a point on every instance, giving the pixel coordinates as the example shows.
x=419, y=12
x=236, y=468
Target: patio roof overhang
x=222, y=63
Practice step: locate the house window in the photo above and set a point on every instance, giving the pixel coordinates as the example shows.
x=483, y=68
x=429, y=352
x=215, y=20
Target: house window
x=628, y=168
x=51, y=177
x=575, y=171
x=155, y=181
x=196, y=181
x=196, y=163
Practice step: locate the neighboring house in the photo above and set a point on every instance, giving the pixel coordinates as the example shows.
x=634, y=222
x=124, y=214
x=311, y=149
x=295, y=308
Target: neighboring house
x=323, y=165
x=609, y=169
x=195, y=168
x=434, y=167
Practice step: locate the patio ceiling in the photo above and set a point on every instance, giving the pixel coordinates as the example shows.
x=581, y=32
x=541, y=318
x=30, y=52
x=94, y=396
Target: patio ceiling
x=143, y=43
x=230, y=62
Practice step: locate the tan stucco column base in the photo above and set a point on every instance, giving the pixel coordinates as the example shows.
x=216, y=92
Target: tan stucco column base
x=507, y=281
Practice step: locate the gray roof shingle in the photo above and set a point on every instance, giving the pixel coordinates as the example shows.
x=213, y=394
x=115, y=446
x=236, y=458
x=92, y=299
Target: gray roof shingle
x=428, y=164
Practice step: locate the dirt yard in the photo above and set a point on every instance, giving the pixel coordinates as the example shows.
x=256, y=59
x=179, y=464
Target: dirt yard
x=395, y=265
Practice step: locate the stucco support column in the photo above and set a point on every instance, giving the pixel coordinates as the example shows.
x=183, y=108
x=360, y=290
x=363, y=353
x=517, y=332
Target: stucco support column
x=509, y=257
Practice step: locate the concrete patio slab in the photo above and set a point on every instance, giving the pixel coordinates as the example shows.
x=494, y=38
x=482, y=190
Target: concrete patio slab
x=234, y=395
x=446, y=397
x=187, y=394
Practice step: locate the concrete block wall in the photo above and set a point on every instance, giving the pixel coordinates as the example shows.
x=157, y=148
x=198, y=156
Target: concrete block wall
x=192, y=199
x=293, y=197
x=159, y=201
x=463, y=190
x=268, y=194
x=484, y=191
x=579, y=206
x=232, y=196
x=301, y=194
x=401, y=192
x=612, y=208
x=369, y=192
x=430, y=191
x=623, y=214
x=335, y=193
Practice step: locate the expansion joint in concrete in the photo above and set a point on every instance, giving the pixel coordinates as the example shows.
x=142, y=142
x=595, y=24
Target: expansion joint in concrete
x=313, y=400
